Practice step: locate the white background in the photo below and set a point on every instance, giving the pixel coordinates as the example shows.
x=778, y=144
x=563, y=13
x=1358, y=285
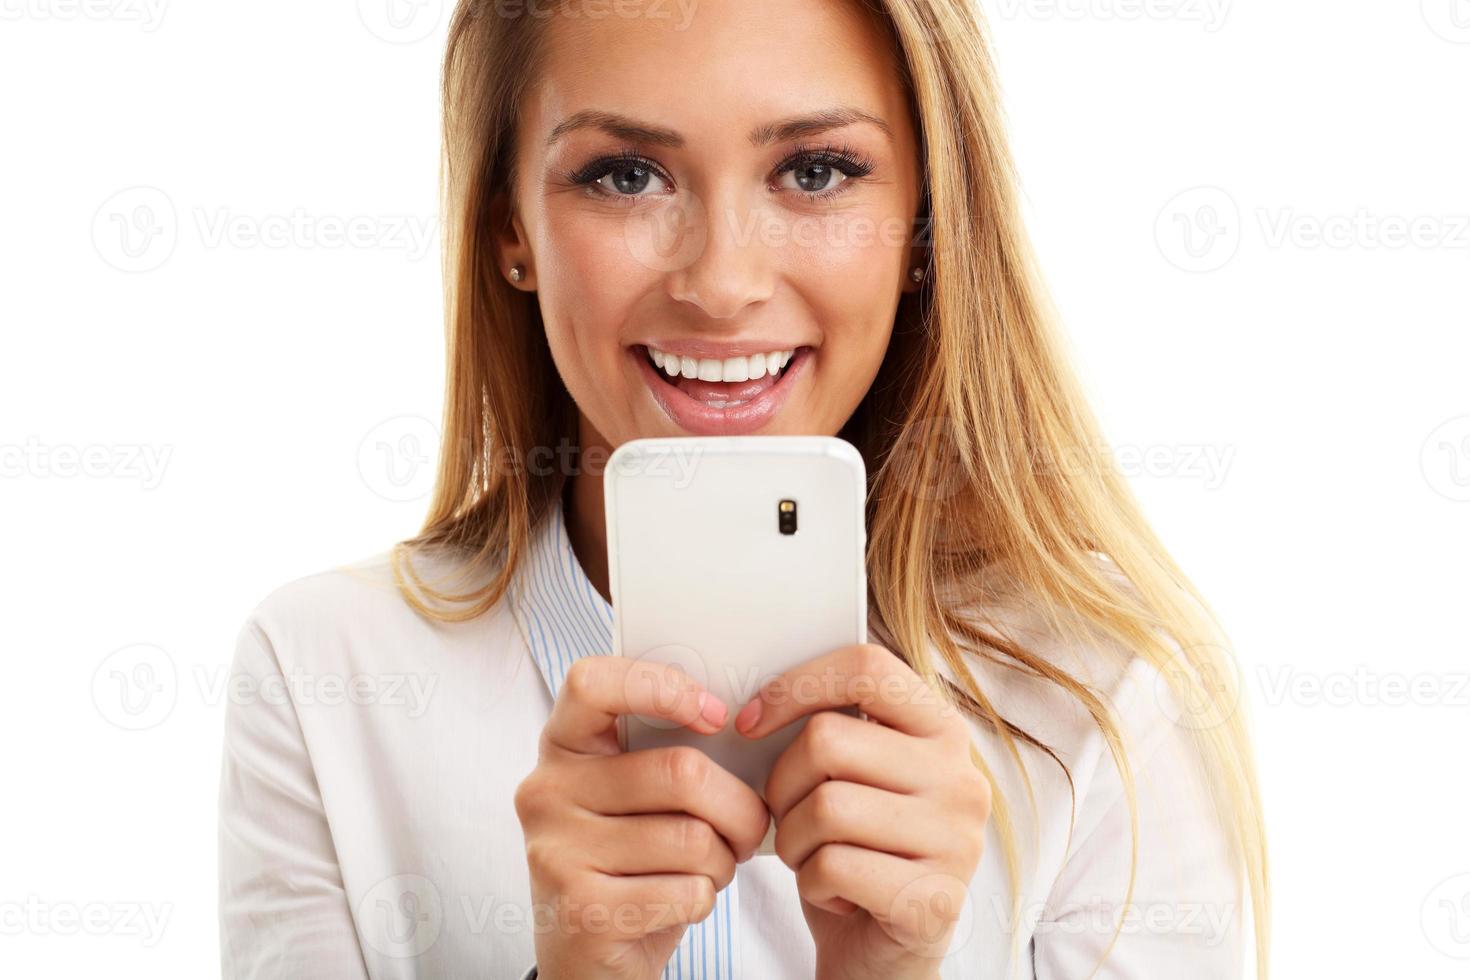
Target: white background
x=1221, y=195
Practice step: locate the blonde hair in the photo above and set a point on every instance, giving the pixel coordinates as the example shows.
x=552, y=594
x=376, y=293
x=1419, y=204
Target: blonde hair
x=963, y=430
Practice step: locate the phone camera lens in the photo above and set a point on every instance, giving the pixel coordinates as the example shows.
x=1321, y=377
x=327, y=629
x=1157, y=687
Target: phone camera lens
x=786, y=516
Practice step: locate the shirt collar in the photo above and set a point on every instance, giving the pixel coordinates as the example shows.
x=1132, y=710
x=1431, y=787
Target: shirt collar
x=561, y=615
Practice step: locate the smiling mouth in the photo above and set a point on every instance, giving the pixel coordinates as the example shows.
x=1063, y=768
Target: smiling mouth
x=721, y=383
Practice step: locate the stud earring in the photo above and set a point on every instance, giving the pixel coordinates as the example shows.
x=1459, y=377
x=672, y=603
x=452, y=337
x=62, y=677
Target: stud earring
x=517, y=273
x=917, y=274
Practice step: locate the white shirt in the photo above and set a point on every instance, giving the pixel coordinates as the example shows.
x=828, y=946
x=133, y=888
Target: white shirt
x=371, y=757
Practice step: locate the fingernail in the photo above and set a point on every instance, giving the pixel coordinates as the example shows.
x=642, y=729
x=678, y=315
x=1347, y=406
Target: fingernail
x=749, y=715
x=712, y=709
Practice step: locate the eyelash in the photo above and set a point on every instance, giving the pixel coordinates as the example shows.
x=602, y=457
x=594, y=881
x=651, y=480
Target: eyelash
x=842, y=158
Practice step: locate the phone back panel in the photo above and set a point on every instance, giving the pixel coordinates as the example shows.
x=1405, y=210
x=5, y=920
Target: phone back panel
x=702, y=577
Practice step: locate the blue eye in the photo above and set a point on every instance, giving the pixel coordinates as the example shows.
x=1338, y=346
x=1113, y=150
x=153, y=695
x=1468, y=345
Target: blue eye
x=822, y=173
x=626, y=175
x=813, y=178
x=628, y=179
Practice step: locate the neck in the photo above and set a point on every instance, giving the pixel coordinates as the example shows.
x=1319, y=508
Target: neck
x=585, y=520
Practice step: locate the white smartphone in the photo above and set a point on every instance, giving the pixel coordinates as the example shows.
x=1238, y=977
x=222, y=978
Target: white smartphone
x=736, y=558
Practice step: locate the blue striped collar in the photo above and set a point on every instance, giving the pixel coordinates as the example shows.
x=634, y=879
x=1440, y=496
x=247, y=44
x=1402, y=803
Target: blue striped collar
x=563, y=617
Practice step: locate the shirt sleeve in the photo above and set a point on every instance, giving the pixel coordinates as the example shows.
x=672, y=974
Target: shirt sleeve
x=1185, y=916
x=283, y=910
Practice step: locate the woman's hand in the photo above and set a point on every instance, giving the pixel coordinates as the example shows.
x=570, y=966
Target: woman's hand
x=882, y=823
x=626, y=849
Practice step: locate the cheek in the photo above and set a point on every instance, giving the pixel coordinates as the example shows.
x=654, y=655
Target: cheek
x=586, y=285
x=858, y=253
x=851, y=279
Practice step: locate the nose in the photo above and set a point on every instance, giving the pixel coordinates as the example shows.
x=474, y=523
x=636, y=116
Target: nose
x=734, y=270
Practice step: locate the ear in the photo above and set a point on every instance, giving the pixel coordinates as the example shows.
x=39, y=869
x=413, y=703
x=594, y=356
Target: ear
x=511, y=246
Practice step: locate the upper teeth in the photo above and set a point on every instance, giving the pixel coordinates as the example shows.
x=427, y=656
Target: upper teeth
x=730, y=369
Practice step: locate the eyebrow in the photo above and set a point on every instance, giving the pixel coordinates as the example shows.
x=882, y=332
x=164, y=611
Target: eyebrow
x=797, y=127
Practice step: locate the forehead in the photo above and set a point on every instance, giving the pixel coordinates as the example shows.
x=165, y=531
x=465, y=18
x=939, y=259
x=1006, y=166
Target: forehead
x=714, y=69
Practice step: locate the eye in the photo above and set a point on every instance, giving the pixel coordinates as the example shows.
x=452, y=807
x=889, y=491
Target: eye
x=624, y=176
x=630, y=180
x=822, y=173
x=812, y=178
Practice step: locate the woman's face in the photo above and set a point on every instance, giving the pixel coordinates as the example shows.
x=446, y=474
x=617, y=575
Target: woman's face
x=709, y=193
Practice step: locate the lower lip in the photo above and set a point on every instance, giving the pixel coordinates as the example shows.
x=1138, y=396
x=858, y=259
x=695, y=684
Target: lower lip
x=696, y=417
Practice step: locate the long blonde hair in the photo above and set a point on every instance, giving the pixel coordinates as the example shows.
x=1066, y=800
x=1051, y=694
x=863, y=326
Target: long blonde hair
x=981, y=452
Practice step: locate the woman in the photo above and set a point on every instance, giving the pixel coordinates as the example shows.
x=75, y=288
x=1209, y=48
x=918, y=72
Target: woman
x=667, y=220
